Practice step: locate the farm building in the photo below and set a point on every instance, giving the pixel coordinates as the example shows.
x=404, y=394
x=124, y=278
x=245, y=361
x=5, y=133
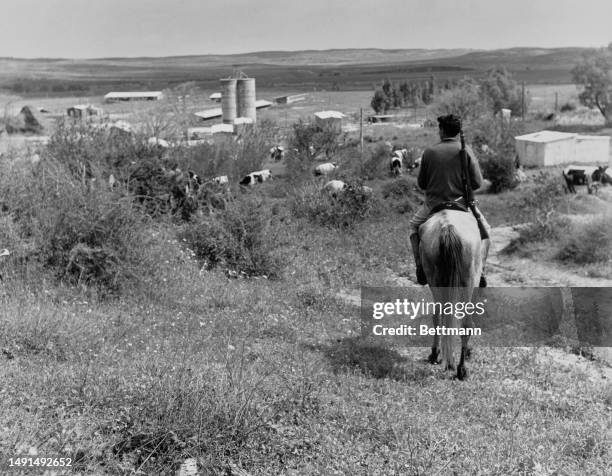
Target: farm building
x=381, y=118
x=195, y=133
x=217, y=112
x=290, y=99
x=593, y=149
x=83, y=111
x=133, y=96
x=545, y=148
x=209, y=113
x=333, y=118
x=215, y=97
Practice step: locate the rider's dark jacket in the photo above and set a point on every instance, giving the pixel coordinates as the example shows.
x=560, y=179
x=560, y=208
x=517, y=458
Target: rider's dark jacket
x=440, y=172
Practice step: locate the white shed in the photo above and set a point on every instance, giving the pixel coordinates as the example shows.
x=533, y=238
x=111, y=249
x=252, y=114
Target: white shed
x=546, y=148
x=593, y=149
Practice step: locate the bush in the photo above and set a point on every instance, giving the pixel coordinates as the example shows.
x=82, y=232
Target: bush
x=568, y=107
x=344, y=210
x=498, y=164
x=83, y=232
x=402, y=195
x=500, y=170
x=590, y=243
x=539, y=204
x=239, y=238
x=306, y=142
x=465, y=100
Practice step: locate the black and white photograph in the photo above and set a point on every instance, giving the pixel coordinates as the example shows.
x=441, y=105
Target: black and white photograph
x=331, y=237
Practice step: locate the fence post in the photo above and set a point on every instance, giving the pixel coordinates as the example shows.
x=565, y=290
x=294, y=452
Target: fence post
x=523, y=101
x=361, y=131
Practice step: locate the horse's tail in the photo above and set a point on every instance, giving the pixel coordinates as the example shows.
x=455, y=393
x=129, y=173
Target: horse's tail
x=450, y=269
x=452, y=276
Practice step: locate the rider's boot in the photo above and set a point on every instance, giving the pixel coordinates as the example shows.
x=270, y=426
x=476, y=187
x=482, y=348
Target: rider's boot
x=415, y=240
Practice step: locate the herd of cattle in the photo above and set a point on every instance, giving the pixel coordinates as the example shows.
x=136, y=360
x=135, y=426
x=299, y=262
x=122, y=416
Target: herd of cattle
x=591, y=176
x=188, y=186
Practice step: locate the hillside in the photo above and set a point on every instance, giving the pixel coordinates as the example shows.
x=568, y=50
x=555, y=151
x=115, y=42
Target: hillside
x=328, y=69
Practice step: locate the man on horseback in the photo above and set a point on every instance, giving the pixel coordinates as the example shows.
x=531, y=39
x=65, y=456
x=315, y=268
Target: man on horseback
x=444, y=182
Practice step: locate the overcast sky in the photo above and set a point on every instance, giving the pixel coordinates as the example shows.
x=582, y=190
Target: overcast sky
x=101, y=28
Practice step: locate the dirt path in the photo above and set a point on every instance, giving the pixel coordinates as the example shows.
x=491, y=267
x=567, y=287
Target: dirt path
x=505, y=270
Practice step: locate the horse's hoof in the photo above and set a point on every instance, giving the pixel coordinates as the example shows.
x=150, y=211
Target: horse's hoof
x=468, y=353
x=462, y=373
x=449, y=367
x=434, y=357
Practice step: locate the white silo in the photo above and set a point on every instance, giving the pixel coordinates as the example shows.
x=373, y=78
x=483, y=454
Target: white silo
x=246, y=98
x=228, y=100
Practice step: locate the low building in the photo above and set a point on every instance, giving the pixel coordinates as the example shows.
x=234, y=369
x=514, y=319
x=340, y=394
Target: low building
x=208, y=114
x=289, y=99
x=83, y=111
x=133, y=96
x=332, y=118
x=545, y=148
x=215, y=97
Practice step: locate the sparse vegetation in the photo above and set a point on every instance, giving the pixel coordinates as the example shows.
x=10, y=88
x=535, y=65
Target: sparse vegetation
x=198, y=357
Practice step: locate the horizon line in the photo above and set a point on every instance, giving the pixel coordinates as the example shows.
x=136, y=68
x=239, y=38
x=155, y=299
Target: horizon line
x=252, y=53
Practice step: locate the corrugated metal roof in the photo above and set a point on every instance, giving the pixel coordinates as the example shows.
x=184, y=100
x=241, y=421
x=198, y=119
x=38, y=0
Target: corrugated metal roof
x=243, y=120
x=215, y=96
x=546, y=136
x=132, y=94
x=262, y=103
x=329, y=115
x=209, y=113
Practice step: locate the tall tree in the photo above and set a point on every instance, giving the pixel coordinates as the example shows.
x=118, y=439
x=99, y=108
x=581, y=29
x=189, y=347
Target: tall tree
x=593, y=73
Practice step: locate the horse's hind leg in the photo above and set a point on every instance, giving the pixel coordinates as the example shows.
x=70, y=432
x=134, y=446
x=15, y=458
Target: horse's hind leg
x=462, y=372
x=434, y=357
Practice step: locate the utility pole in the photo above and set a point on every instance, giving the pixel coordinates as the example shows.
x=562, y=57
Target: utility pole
x=361, y=131
x=556, y=101
x=523, y=101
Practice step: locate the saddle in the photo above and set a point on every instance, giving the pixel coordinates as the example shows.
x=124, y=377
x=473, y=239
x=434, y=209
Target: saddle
x=447, y=206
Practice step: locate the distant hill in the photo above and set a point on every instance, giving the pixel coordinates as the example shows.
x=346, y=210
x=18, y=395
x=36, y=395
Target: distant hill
x=337, y=69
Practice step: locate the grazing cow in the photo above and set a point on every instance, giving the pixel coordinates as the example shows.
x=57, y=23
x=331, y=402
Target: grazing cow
x=583, y=175
x=334, y=186
x=256, y=177
x=277, y=153
x=221, y=180
x=326, y=168
x=404, y=158
x=397, y=162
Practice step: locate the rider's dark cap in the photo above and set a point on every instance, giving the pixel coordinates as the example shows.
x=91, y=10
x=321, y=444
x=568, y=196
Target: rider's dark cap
x=450, y=123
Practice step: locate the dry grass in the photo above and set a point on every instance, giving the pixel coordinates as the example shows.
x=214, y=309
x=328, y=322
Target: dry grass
x=271, y=376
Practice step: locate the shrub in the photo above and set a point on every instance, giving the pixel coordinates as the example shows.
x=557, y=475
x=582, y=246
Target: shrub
x=306, y=141
x=344, y=210
x=540, y=203
x=239, y=238
x=402, y=195
x=499, y=163
x=82, y=231
x=464, y=99
x=568, y=107
x=590, y=243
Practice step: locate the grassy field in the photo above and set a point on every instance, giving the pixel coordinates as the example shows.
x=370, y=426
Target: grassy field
x=269, y=374
x=272, y=377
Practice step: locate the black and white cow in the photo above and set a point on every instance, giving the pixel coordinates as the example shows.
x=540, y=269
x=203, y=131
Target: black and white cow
x=404, y=159
x=256, y=177
x=588, y=175
x=277, y=153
